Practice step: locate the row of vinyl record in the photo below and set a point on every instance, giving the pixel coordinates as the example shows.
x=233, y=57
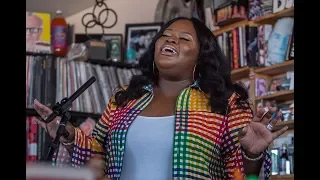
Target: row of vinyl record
x=50, y=80
x=257, y=46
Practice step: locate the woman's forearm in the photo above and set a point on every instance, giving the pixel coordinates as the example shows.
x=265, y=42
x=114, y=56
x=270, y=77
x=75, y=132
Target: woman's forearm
x=68, y=142
x=252, y=167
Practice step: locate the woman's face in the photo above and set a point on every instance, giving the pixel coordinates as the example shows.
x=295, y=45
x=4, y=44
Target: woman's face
x=177, y=50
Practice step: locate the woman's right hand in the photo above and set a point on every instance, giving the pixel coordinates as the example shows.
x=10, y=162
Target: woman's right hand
x=52, y=126
x=98, y=165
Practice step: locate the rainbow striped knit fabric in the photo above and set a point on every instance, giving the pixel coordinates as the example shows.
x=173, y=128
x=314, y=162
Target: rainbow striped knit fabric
x=206, y=145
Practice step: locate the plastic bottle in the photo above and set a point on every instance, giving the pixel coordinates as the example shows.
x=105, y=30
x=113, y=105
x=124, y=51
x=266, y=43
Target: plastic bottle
x=59, y=34
x=131, y=54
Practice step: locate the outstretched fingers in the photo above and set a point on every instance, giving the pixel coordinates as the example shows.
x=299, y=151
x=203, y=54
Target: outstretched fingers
x=279, y=132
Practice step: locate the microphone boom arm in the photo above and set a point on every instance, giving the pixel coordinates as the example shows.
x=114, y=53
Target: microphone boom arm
x=62, y=109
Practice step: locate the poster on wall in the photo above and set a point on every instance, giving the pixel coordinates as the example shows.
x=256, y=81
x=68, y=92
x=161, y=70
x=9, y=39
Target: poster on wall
x=38, y=32
x=138, y=38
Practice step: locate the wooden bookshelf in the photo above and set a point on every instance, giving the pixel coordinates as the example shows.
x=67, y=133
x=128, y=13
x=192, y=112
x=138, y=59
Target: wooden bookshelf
x=240, y=73
x=267, y=73
x=282, y=124
x=230, y=27
x=261, y=20
x=284, y=13
x=282, y=177
x=276, y=69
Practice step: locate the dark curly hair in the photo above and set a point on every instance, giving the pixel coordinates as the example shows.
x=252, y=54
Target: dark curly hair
x=213, y=71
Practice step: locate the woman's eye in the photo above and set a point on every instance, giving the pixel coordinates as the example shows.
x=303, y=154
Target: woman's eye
x=164, y=35
x=185, y=39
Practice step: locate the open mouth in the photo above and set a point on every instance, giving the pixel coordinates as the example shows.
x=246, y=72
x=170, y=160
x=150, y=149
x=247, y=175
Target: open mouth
x=168, y=50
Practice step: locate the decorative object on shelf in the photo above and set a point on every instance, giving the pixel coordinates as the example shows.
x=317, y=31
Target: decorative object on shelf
x=113, y=42
x=97, y=19
x=138, y=38
x=96, y=49
x=77, y=52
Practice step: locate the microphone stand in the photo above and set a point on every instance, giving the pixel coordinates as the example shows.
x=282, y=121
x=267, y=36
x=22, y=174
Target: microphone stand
x=62, y=109
x=61, y=131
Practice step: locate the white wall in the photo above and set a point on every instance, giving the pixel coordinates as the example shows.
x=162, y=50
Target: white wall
x=128, y=11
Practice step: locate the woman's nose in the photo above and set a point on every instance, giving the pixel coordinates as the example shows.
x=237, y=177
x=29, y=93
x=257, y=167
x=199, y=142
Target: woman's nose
x=172, y=40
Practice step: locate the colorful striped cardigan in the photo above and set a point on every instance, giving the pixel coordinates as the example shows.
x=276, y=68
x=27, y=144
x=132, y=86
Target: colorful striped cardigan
x=206, y=145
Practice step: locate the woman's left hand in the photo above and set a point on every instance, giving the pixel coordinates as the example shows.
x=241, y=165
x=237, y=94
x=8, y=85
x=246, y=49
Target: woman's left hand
x=256, y=137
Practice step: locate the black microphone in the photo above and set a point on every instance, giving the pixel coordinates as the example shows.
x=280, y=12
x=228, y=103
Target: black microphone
x=66, y=103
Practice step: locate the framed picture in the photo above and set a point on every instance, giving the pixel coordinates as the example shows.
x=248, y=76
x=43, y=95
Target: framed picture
x=38, y=32
x=139, y=36
x=114, y=44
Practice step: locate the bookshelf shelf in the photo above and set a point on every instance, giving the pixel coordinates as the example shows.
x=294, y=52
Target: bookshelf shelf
x=40, y=54
x=282, y=177
x=32, y=112
x=111, y=63
x=284, y=13
x=279, y=96
x=240, y=73
x=92, y=61
x=276, y=69
x=261, y=20
x=230, y=27
x=281, y=124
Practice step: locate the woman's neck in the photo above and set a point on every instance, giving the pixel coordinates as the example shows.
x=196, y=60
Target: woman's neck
x=173, y=88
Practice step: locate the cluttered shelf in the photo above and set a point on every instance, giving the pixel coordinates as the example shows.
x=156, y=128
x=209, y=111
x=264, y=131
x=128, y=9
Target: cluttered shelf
x=92, y=61
x=284, y=13
x=282, y=177
x=32, y=112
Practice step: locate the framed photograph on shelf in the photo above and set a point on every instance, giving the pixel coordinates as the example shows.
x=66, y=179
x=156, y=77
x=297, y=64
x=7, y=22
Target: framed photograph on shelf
x=114, y=43
x=138, y=38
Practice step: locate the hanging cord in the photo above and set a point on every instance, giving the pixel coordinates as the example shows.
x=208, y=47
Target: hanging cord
x=97, y=19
